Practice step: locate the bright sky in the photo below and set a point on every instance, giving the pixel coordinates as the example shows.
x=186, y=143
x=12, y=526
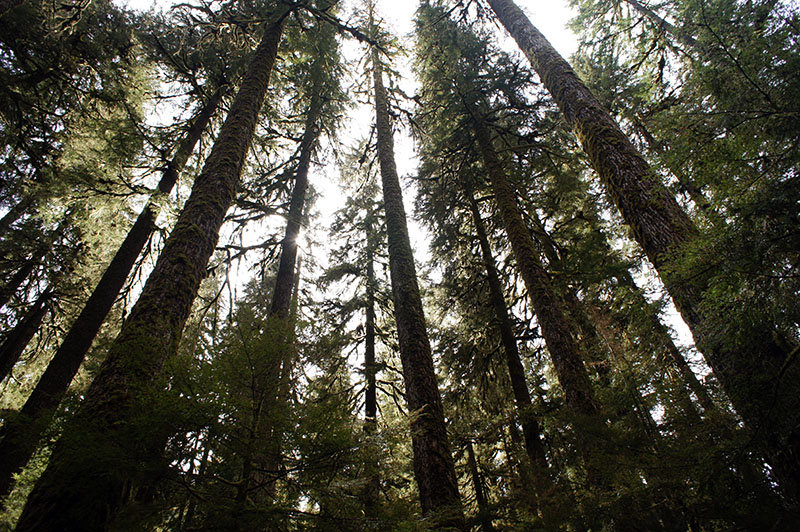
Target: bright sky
x=550, y=17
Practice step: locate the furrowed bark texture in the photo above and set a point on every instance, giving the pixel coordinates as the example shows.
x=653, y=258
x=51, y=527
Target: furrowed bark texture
x=519, y=386
x=761, y=379
x=20, y=436
x=82, y=489
x=13, y=346
x=433, y=463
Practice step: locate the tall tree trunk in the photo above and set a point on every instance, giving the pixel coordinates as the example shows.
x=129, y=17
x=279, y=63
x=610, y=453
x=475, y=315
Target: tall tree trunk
x=484, y=512
x=277, y=377
x=15, y=343
x=543, y=482
x=282, y=295
x=519, y=476
x=372, y=487
x=662, y=335
x=10, y=288
x=116, y=432
x=18, y=439
x=550, y=310
x=433, y=461
x=760, y=377
x=370, y=367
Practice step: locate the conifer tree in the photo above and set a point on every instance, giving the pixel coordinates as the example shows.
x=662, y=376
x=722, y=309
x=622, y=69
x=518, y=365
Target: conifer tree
x=754, y=369
x=19, y=437
x=433, y=462
x=150, y=335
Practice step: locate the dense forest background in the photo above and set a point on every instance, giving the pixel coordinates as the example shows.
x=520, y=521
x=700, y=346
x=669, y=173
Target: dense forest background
x=189, y=342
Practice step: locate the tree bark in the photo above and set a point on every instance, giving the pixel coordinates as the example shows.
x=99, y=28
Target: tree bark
x=433, y=462
x=18, y=438
x=372, y=487
x=279, y=371
x=282, y=295
x=550, y=310
x=117, y=430
x=761, y=378
x=484, y=512
x=15, y=343
x=543, y=482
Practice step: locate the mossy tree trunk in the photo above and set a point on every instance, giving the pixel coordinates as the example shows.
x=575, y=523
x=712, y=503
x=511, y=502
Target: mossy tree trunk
x=433, y=463
x=116, y=432
x=760, y=375
x=14, y=345
x=20, y=436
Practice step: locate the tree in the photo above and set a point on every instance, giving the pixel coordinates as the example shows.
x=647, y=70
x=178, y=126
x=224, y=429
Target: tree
x=151, y=332
x=19, y=437
x=433, y=462
x=752, y=365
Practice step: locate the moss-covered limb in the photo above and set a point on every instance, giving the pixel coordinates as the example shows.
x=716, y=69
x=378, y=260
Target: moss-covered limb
x=433, y=463
x=77, y=492
x=19, y=441
x=746, y=357
x=664, y=25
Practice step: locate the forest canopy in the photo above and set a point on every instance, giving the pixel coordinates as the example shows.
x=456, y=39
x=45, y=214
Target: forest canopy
x=271, y=265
